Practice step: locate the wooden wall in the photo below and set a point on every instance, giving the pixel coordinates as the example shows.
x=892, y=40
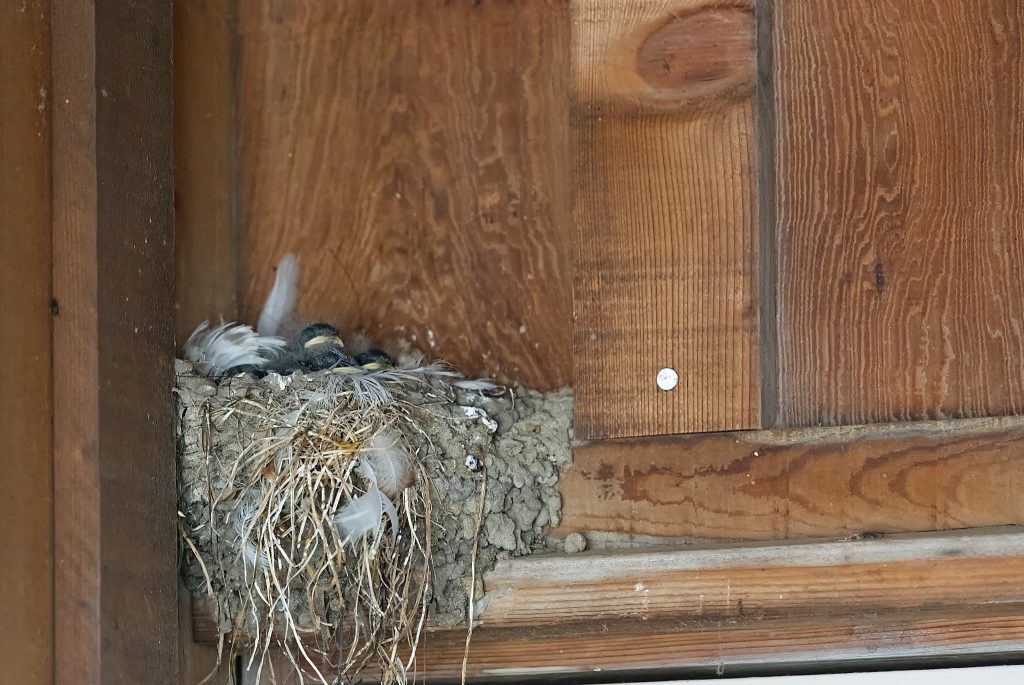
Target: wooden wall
x=415, y=156
x=900, y=196
x=811, y=210
x=26, y=404
x=765, y=196
x=665, y=216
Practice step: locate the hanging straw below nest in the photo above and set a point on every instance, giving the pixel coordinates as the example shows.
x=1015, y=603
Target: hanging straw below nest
x=325, y=510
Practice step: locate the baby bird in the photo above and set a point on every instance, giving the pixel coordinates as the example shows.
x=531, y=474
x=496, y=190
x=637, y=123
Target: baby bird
x=317, y=347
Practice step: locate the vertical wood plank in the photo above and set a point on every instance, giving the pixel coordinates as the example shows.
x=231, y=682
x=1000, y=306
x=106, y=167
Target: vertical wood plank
x=113, y=282
x=415, y=155
x=75, y=360
x=206, y=248
x=26, y=479
x=900, y=129
x=666, y=216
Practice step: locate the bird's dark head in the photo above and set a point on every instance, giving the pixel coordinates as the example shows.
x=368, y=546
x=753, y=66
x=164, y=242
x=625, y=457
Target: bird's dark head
x=318, y=335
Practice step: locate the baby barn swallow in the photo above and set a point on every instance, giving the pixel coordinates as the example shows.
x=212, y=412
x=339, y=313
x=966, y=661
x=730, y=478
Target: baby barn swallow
x=317, y=347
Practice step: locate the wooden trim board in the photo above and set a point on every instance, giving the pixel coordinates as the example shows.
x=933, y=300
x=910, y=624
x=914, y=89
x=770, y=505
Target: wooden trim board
x=26, y=409
x=115, y=555
x=781, y=484
x=899, y=598
x=990, y=675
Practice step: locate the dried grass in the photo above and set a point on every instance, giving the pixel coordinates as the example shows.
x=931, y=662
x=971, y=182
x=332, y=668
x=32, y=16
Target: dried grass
x=365, y=600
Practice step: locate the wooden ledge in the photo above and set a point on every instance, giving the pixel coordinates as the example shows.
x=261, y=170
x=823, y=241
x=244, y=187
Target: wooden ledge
x=796, y=603
x=804, y=482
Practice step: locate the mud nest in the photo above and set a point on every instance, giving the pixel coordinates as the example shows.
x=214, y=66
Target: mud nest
x=329, y=514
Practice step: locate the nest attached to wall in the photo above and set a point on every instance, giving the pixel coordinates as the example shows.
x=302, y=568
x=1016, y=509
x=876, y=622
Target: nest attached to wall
x=324, y=513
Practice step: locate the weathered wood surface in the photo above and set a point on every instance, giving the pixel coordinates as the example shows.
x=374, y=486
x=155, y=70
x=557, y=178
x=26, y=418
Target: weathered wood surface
x=206, y=244
x=764, y=485
x=638, y=648
x=415, y=156
x=26, y=416
x=666, y=217
x=751, y=582
x=115, y=548
x=899, y=599
x=900, y=198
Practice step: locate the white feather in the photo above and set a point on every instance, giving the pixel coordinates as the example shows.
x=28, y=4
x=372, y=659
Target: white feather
x=215, y=350
x=363, y=515
x=244, y=513
x=479, y=384
x=388, y=460
x=281, y=302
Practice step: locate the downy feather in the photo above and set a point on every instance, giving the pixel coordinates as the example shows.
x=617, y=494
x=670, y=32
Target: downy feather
x=391, y=464
x=215, y=350
x=281, y=302
x=363, y=515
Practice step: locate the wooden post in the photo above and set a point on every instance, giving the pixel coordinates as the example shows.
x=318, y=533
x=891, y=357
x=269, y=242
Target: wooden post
x=26, y=488
x=113, y=341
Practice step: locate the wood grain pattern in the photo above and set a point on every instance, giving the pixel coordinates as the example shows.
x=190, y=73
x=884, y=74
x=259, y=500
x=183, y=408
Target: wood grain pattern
x=901, y=210
x=680, y=649
x=206, y=247
x=666, y=217
x=897, y=600
x=113, y=282
x=760, y=581
x=26, y=415
x=765, y=485
x=77, y=631
x=415, y=156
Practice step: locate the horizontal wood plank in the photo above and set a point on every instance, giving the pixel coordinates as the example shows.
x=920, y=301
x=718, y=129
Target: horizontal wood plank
x=759, y=581
x=900, y=199
x=638, y=648
x=765, y=485
x=665, y=212
x=899, y=599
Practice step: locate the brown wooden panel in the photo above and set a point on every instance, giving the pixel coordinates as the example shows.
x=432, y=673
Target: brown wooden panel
x=206, y=250
x=760, y=581
x=666, y=216
x=867, y=601
x=900, y=197
x=113, y=283
x=415, y=156
x=26, y=468
x=75, y=332
x=762, y=485
x=621, y=648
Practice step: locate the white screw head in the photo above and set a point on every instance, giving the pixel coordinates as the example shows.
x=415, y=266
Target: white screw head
x=668, y=379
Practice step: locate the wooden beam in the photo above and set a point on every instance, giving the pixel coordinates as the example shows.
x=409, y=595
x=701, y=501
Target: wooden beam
x=633, y=648
x=752, y=582
x=415, y=156
x=900, y=199
x=26, y=415
x=766, y=485
x=113, y=338
x=206, y=243
x=899, y=599
x=666, y=217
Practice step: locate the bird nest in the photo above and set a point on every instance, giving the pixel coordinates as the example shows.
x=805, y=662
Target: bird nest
x=326, y=513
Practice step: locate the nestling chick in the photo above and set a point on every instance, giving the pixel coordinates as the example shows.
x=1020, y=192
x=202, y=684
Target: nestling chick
x=317, y=347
